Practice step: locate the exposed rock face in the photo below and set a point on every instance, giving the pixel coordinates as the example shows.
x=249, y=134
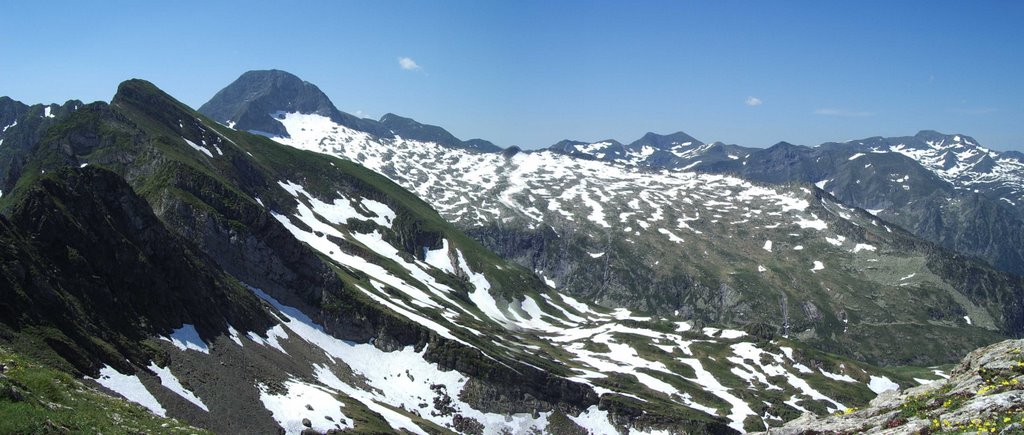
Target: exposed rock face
x=258, y=92
x=985, y=394
x=84, y=255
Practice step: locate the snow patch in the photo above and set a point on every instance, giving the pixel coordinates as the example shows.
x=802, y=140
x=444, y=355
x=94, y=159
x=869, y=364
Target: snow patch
x=198, y=148
x=290, y=408
x=881, y=384
x=439, y=257
x=186, y=338
x=131, y=388
x=167, y=379
x=863, y=247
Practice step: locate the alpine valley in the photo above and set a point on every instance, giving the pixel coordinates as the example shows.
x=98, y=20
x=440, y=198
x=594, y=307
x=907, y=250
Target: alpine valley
x=270, y=263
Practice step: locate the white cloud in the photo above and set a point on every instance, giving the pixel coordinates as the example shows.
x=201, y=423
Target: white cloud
x=408, y=64
x=843, y=113
x=753, y=101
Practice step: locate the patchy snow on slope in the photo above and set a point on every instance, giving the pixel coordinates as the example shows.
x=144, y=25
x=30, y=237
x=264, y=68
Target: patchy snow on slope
x=815, y=223
x=399, y=379
x=129, y=387
x=290, y=408
x=315, y=237
x=767, y=245
x=818, y=265
x=167, y=379
x=481, y=295
x=385, y=215
x=186, y=338
x=596, y=197
x=198, y=148
x=863, y=247
x=234, y=335
x=340, y=210
x=740, y=409
x=671, y=236
x=274, y=335
x=596, y=420
x=881, y=384
x=836, y=376
x=439, y=257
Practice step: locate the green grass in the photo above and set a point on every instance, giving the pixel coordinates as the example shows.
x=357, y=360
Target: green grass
x=36, y=400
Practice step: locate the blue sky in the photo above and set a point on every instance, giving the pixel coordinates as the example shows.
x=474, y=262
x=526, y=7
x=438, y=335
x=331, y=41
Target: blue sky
x=530, y=73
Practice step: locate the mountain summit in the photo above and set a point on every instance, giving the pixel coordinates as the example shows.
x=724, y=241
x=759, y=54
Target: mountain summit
x=250, y=102
x=257, y=100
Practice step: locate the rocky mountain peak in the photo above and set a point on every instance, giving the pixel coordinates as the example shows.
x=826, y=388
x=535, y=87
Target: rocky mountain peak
x=255, y=100
x=940, y=140
x=659, y=141
x=408, y=128
x=249, y=102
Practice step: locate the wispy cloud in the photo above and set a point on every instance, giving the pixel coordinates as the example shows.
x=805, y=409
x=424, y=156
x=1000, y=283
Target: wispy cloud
x=408, y=64
x=753, y=101
x=843, y=113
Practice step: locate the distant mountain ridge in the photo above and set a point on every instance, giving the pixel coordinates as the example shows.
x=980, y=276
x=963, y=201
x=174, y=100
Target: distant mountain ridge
x=251, y=102
x=945, y=188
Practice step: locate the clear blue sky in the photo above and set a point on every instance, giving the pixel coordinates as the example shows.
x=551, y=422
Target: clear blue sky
x=530, y=73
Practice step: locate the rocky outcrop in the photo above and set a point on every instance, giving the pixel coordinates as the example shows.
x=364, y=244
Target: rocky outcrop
x=984, y=394
x=85, y=259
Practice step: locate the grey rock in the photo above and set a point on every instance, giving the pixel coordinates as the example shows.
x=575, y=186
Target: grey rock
x=999, y=363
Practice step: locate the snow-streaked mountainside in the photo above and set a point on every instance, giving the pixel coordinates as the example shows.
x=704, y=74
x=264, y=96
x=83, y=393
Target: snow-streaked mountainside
x=673, y=151
x=688, y=245
x=947, y=189
x=220, y=278
x=957, y=159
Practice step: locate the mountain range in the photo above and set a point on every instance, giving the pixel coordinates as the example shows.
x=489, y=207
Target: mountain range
x=270, y=262
x=946, y=189
x=615, y=228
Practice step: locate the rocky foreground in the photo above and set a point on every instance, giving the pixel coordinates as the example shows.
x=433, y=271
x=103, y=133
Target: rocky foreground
x=984, y=394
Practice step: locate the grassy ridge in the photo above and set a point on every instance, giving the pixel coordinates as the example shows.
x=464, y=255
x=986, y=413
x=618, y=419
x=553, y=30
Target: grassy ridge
x=35, y=399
